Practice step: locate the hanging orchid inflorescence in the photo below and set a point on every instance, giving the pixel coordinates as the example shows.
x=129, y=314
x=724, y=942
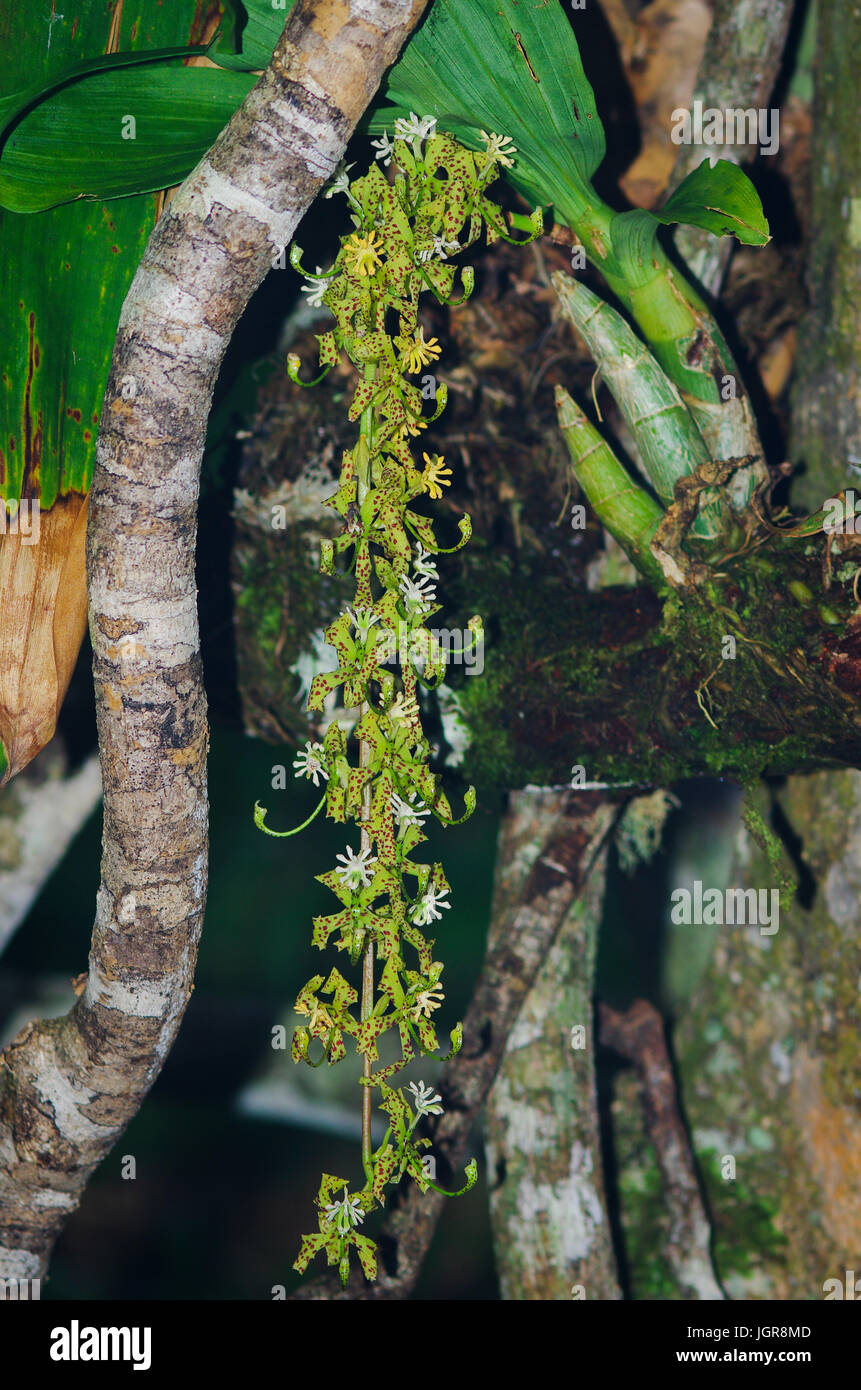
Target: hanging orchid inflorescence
x=405, y=233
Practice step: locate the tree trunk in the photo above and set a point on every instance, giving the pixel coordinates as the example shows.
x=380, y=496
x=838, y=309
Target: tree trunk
x=827, y=397
x=768, y=1060
x=550, y=1228
x=768, y=1053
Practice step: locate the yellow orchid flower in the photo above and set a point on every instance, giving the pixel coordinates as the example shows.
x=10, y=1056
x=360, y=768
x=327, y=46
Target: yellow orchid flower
x=420, y=353
x=362, y=253
x=413, y=427
x=436, y=475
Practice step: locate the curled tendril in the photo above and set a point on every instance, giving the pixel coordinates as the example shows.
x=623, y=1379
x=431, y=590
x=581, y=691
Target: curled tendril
x=467, y=280
x=537, y=220
x=471, y=1172
x=294, y=362
x=441, y=402
x=260, y=814
x=295, y=258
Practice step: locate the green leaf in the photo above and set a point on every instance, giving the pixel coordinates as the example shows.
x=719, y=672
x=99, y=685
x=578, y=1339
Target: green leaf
x=508, y=68
x=14, y=106
x=57, y=152
x=720, y=198
x=66, y=275
x=66, y=271
x=261, y=32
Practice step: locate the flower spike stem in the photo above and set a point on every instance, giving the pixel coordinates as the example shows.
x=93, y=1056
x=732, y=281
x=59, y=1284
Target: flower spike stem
x=366, y=433
x=402, y=240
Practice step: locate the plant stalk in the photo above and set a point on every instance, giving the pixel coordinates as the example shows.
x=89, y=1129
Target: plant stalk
x=366, y=433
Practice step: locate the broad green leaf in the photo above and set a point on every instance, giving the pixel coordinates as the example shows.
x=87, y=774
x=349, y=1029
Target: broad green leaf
x=60, y=151
x=66, y=271
x=476, y=64
x=260, y=31
x=13, y=107
x=720, y=198
x=507, y=68
x=52, y=151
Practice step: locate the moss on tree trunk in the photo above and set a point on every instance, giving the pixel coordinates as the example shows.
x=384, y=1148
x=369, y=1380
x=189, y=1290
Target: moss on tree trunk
x=755, y=671
x=769, y=1062
x=768, y=1053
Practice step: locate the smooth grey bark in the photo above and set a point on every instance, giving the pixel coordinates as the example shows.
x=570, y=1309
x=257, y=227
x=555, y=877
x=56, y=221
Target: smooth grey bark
x=69, y=1086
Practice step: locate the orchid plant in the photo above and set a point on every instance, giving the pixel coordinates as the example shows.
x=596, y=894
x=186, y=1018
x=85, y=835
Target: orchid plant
x=406, y=228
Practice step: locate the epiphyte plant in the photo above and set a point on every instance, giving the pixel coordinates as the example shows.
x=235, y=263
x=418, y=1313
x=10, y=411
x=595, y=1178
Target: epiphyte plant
x=405, y=233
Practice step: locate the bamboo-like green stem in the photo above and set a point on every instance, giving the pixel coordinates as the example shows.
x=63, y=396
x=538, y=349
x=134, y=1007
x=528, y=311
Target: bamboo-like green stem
x=668, y=442
x=627, y=511
x=683, y=335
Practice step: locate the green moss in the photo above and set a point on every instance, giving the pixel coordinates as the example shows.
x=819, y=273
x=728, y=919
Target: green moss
x=644, y=1222
x=638, y=835
x=646, y=694
x=744, y=1233
x=638, y=691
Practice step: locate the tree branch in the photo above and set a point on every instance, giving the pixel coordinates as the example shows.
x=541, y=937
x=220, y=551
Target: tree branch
x=547, y=1201
x=69, y=1086
x=638, y=1035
